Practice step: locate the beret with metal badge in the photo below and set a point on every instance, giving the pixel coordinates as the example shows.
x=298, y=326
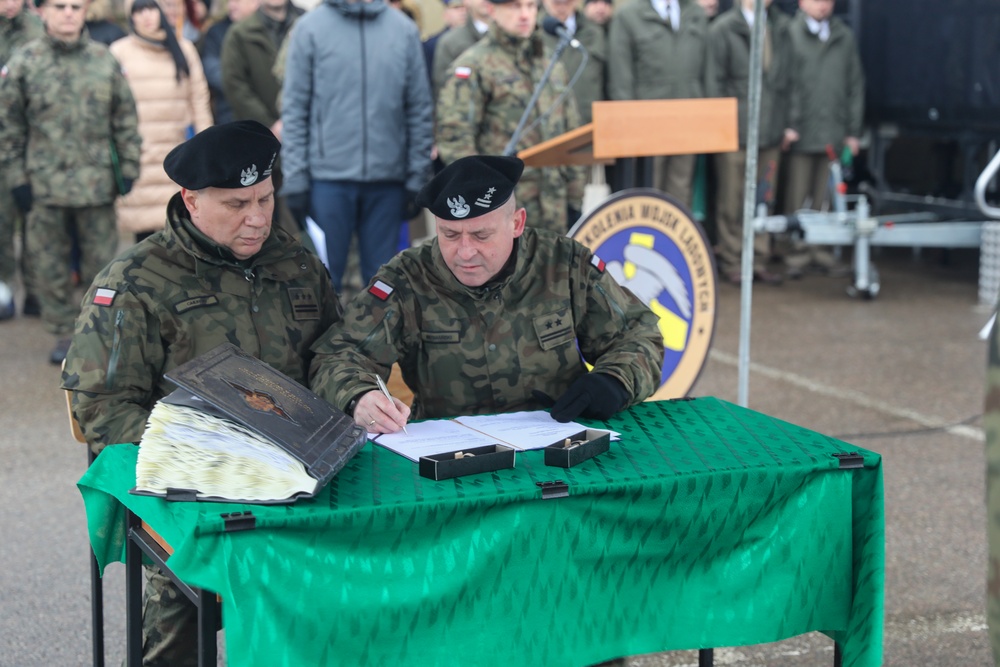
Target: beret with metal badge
x=471, y=186
x=231, y=155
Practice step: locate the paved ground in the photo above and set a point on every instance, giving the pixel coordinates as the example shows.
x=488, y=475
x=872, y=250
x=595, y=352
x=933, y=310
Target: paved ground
x=901, y=375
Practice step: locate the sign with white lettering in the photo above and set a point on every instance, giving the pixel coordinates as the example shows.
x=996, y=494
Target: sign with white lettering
x=652, y=246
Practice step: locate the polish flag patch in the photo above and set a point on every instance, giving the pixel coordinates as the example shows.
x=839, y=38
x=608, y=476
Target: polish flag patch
x=104, y=297
x=598, y=263
x=463, y=72
x=381, y=290
x=3, y=72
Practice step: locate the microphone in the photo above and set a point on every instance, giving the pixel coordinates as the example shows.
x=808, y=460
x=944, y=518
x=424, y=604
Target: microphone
x=555, y=28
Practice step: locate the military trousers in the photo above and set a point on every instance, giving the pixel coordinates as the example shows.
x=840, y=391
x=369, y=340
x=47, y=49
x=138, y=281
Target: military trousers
x=730, y=179
x=806, y=181
x=674, y=174
x=807, y=185
x=50, y=232
x=10, y=219
x=169, y=623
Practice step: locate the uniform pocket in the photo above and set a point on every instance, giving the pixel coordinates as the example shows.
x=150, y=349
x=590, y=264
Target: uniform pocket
x=554, y=329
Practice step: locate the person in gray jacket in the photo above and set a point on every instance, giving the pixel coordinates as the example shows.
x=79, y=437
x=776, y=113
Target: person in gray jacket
x=357, y=127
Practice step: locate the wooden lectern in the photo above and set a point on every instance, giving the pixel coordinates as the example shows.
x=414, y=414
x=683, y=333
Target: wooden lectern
x=642, y=128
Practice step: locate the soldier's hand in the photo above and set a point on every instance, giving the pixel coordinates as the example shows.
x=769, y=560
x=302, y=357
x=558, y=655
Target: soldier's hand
x=23, y=197
x=298, y=204
x=594, y=395
x=410, y=208
x=377, y=414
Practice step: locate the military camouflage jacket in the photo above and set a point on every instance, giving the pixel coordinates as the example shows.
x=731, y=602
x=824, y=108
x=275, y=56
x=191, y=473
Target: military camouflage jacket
x=17, y=31
x=63, y=108
x=175, y=296
x=466, y=350
x=479, y=108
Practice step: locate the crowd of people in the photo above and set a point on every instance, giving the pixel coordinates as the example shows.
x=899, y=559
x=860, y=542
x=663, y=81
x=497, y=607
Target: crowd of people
x=209, y=162
x=367, y=112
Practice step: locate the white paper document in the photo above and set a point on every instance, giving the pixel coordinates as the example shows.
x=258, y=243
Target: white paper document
x=520, y=430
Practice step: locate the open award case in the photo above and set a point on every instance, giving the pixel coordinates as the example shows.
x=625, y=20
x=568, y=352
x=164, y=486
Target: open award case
x=237, y=430
x=577, y=448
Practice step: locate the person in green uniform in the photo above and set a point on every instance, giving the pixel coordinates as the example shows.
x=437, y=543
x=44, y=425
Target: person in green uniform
x=482, y=101
x=491, y=316
x=218, y=272
x=69, y=143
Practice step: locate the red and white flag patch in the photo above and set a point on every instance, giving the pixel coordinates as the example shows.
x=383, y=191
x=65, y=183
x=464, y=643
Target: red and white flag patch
x=381, y=290
x=104, y=296
x=463, y=72
x=598, y=263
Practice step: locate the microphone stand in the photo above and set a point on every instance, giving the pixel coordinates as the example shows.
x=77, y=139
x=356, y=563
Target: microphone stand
x=512, y=144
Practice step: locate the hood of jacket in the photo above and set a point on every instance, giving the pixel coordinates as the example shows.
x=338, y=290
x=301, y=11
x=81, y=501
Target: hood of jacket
x=359, y=9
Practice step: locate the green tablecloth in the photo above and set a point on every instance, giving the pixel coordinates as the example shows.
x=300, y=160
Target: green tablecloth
x=708, y=525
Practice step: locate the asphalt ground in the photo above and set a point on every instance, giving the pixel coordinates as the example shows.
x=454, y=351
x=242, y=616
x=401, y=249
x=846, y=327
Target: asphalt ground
x=902, y=375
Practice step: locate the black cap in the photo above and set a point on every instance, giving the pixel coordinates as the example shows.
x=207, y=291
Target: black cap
x=231, y=155
x=471, y=186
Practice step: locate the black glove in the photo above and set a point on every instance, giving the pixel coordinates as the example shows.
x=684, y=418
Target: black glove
x=594, y=395
x=127, y=184
x=23, y=197
x=410, y=208
x=298, y=204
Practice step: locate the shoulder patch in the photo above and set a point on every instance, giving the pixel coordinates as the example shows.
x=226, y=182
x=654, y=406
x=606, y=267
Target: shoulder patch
x=463, y=72
x=598, y=263
x=104, y=296
x=381, y=290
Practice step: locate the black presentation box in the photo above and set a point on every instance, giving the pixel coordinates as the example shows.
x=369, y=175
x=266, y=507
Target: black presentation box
x=595, y=442
x=482, y=459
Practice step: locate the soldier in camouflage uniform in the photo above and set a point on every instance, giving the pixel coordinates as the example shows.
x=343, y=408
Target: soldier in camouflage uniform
x=67, y=122
x=489, y=317
x=218, y=272
x=17, y=27
x=991, y=424
x=480, y=105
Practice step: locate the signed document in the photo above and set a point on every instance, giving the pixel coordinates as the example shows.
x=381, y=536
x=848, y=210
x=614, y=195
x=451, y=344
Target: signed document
x=520, y=430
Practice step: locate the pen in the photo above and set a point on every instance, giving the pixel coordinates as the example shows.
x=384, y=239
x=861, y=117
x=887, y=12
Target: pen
x=385, y=391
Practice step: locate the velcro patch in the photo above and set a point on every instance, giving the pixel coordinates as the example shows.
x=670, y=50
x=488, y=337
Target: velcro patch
x=304, y=303
x=195, y=302
x=598, y=263
x=104, y=296
x=463, y=72
x=381, y=290
x=440, y=336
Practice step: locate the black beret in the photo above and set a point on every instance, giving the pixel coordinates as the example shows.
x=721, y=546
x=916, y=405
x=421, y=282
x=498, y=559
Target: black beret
x=231, y=155
x=471, y=186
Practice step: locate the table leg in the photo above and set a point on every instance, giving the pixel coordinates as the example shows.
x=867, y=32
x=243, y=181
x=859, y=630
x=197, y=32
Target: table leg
x=133, y=596
x=706, y=657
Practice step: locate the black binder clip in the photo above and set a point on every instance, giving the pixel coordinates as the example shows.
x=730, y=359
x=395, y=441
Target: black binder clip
x=850, y=460
x=234, y=521
x=554, y=489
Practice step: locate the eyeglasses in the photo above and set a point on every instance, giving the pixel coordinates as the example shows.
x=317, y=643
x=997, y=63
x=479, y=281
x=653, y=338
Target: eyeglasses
x=62, y=6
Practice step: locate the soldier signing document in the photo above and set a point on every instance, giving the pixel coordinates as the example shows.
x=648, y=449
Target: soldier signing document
x=489, y=317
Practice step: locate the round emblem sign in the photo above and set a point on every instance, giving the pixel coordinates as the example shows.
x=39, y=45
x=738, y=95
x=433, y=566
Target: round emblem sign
x=652, y=246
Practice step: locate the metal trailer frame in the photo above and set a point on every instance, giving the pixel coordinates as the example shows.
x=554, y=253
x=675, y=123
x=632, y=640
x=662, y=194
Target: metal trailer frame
x=857, y=227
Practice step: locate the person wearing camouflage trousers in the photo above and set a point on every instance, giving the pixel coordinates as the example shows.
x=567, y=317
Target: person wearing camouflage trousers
x=67, y=125
x=482, y=101
x=17, y=26
x=991, y=425
x=489, y=317
x=218, y=272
